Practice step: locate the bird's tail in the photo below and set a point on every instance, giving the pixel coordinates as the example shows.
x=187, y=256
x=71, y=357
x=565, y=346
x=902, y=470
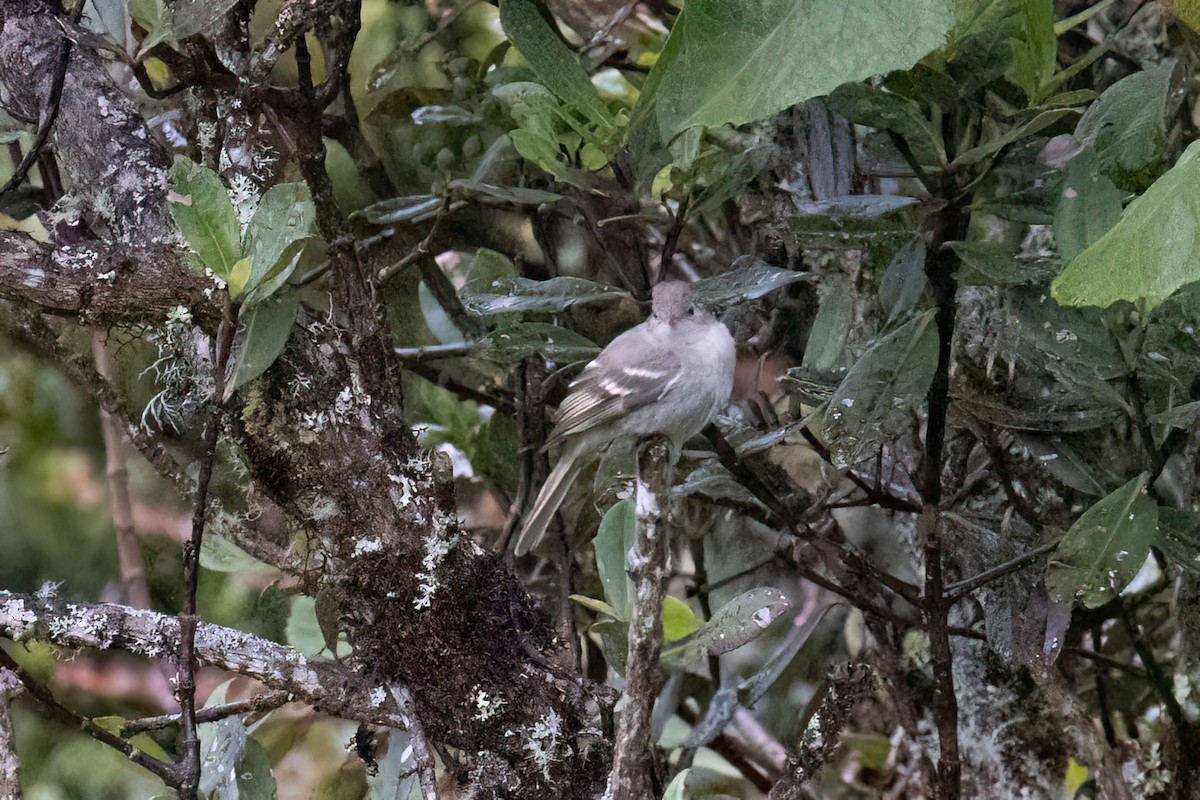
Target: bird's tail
x=549, y=498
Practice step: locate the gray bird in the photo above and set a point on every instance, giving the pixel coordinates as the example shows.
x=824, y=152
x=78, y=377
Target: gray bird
x=669, y=375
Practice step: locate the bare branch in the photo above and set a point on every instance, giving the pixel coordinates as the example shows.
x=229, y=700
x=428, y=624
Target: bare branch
x=420, y=744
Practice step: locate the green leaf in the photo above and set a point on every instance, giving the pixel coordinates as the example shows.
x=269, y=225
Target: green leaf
x=512, y=343
x=303, y=628
x=238, y=277
x=262, y=333
x=537, y=297
x=221, y=555
x=998, y=264
x=677, y=789
x=1179, y=538
x=182, y=19
x=678, y=619
x=327, y=606
x=876, y=397
x=831, y=327
x=552, y=60
x=739, y=621
x=747, y=278
x=903, y=281
x=1088, y=206
x=1035, y=47
x=201, y=208
x=864, y=104
x=1153, y=250
x=741, y=62
x=994, y=145
x=612, y=542
x=283, y=219
x=1127, y=127
x=1105, y=547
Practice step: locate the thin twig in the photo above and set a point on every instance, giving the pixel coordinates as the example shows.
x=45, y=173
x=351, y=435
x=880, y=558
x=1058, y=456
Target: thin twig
x=263, y=702
x=671, y=240
x=134, y=591
x=432, y=352
x=64, y=715
x=48, y=114
x=422, y=249
x=426, y=773
x=959, y=588
x=189, y=762
x=630, y=778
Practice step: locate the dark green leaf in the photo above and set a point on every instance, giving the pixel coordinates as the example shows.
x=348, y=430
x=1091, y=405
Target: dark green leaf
x=747, y=279
x=875, y=399
x=998, y=142
x=515, y=195
x=1127, y=127
x=1179, y=537
x=327, y=606
x=864, y=104
x=263, y=331
x=1035, y=47
x=283, y=219
x=201, y=208
x=510, y=344
x=552, y=60
x=864, y=206
x=1105, y=547
x=741, y=62
x=827, y=340
x=739, y=621
x=998, y=264
x=1153, y=250
x=1088, y=207
x=903, y=281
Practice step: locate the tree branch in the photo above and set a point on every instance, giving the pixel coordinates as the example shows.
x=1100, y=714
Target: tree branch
x=329, y=687
x=10, y=785
x=630, y=778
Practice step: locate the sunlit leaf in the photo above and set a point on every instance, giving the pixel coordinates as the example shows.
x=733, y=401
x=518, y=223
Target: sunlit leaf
x=1153, y=250
x=1105, y=547
x=741, y=62
x=678, y=619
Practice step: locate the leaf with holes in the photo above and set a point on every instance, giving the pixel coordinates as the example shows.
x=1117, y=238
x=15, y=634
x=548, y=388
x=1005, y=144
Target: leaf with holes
x=1105, y=547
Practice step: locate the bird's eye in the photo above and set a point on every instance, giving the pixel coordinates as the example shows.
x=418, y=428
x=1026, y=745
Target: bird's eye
x=691, y=312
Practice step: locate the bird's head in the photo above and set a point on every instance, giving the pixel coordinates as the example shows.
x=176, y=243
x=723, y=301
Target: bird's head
x=672, y=301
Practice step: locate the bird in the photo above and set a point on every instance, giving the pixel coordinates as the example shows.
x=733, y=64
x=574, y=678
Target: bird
x=669, y=375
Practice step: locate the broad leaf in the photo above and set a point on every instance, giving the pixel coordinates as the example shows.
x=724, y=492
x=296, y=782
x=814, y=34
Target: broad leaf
x=747, y=279
x=1105, y=547
x=903, y=281
x=741, y=62
x=201, y=208
x=997, y=264
x=612, y=542
x=876, y=397
x=1153, y=250
x=1088, y=207
x=538, y=297
x=678, y=619
x=831, y=327
x=997, y=143
x=1127, y=127
x=283, y=219
x=262, y=334
x=864, y=104
x=1179, y=538
x=739, y=621
x=1035, y=47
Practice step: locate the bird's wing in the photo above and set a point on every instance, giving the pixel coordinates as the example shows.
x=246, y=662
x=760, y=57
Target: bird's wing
x=633, y=371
